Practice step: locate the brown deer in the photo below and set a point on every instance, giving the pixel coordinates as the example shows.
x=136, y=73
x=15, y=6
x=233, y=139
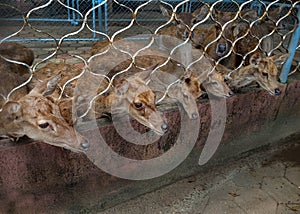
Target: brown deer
x=67, y=72
x=13, y=74
x=216, y=86
x=37, y=116
x=129, y=94
x=262, y=70
x=185, y=90
x=124, y=96
x=16, y=52
x=217, y=40
x=259, y=37
x=184, y=21
x=212, y=39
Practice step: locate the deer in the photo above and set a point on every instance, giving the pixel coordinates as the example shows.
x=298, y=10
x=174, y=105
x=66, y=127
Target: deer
x=126, y=96
x=16, y=52
x=173, y=79
x=37, y=116
x=184, y=91
x=214, y=41
x=9, y=81
x=262, y=70
x=129, y=94
x=67, y=72
x=13, y=74
x=191, y=83
x=260, y=37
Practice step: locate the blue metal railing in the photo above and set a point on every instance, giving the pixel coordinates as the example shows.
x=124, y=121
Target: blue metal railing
x=292, y=50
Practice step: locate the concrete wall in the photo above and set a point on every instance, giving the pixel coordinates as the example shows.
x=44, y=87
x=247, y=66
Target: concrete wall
x=39, y=177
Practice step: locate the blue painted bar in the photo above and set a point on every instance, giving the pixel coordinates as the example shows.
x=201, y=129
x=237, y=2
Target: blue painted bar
x=37, y=19
x=100, y=19
x=292, y=50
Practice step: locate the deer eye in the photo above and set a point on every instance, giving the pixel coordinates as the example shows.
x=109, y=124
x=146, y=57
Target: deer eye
x=187, y=80
x=138, y=105
x=44, y=125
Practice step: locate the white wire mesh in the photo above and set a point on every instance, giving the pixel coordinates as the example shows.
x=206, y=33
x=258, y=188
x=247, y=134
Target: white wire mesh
x=43, y=20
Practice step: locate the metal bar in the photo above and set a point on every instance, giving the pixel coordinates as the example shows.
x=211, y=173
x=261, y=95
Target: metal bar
x=106, y=17
x=94, y=17
x=292, y=50
x=100, y=19
x=69, y=15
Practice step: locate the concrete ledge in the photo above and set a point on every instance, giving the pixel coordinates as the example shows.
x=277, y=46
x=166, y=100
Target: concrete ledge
x=36, y=177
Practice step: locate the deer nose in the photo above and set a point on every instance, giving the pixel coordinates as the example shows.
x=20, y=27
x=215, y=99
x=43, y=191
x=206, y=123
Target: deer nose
x=277, y=91
x=164, y=127
x=230, y=94
x=221, y=48
x=85, y=145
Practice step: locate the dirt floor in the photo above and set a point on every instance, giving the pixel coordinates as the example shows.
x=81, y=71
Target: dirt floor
x=268, y=181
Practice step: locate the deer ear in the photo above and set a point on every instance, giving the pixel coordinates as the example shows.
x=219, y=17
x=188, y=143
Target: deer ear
x=122, y=87
x=51, y=85
x=146, y=74
x=240, y=27
x=274, y=14
x=12, y=111
x=250, y=14
x=201, y=12
x=165, y=12
x=279, y=59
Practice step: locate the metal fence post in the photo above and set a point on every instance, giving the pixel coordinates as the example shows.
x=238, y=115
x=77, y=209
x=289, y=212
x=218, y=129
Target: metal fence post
x=292, y=50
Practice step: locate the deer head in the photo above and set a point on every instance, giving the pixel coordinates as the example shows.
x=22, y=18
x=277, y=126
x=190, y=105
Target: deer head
x=185, y=91
x=216, y=86
x=132, y=95
x=267, y=75
x=262, y=70
x=38, y=116
x=201, y=36
x=221, y=46
x=184, y=21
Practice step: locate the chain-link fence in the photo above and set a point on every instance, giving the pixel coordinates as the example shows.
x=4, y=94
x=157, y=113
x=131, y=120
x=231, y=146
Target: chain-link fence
x=210, y=47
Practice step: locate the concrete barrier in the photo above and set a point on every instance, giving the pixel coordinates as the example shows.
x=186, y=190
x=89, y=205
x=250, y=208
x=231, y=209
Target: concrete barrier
x=36, y=177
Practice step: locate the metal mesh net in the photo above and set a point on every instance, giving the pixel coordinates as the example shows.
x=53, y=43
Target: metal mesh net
x=59, y=21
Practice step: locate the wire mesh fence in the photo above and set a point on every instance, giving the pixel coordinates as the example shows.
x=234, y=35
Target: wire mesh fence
x=211, y=47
